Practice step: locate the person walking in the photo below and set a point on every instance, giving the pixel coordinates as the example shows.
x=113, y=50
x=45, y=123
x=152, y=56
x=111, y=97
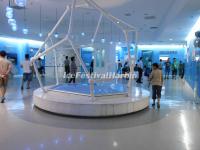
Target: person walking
x=92, y=66
x=167, y=68
x=67, y=68
x=140, y=70
x=5, y=68
x=73, y=69
x=174, y=68
x=156, y=80
x=27, y=72
x=181, y=69
x=161, y=65
x=119, y=67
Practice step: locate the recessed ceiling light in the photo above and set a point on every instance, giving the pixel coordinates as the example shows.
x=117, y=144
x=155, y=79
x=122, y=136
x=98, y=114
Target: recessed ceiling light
x=117, y=22
x=171, y=39
x=83, y=34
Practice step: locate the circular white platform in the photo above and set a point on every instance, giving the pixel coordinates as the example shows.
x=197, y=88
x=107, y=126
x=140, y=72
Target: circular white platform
x=82, y=105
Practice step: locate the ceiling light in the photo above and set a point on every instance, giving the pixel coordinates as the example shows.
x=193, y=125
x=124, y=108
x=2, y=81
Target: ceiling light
x=56, y=35
x=92, y=40
x=83, y=34
x=25, y=31
x=103, y=40
x=9, y=15
x=40, y=34
x=14, y=28
x=20, y=3
x=111, y=42
x=9, y=9
x=117, y=22
x=119, y=43
x=171, y=39
x=11, y=22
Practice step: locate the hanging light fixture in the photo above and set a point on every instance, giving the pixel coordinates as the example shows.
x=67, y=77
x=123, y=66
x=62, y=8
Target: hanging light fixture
x=83, y=25
x=103, y=40
x=56, y=33
x=40, y=33
x=25, y=30
x=111, y=27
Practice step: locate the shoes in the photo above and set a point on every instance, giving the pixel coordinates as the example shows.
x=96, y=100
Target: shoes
x=158, y=105
x=22, y=88
x=3, y=100
x=153, y=105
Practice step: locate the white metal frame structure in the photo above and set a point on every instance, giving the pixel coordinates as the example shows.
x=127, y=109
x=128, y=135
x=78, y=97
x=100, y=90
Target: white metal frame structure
x=125, y=27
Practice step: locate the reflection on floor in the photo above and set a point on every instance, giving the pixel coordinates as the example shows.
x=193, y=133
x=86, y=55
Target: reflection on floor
x=174, y=127
x=107, y=88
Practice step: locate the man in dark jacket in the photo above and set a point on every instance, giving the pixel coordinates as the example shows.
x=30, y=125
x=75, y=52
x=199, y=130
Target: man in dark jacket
x=73, y=69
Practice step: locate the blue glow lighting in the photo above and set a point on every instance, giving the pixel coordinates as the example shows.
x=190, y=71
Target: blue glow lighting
x=194, y=29
x=83, y=34
x=25, y=31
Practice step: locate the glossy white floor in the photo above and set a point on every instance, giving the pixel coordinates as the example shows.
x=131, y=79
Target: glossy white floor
x=174, y=127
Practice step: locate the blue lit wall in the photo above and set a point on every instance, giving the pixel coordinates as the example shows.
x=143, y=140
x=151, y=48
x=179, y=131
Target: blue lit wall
x=157, y=51
x=192, y=73
x=177, y=52
x=18, y=48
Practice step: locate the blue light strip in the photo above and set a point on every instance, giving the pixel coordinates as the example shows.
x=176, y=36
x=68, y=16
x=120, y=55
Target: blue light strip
x=21, y=41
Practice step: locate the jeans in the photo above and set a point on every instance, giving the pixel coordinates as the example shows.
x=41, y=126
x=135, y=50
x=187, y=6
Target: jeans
x=156, y=91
